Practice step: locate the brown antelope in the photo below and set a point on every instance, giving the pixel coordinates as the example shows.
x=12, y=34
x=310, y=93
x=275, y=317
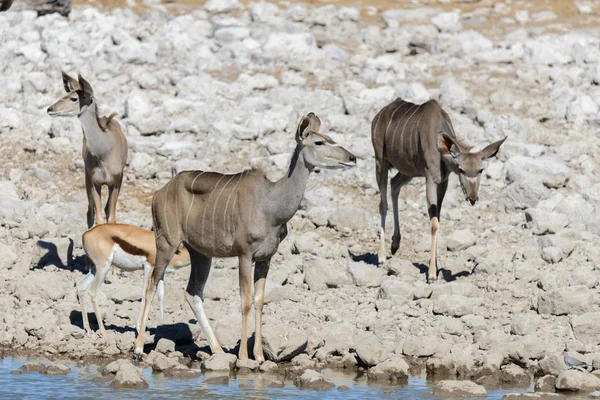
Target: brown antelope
x=419, y=141
x=242, y=215
x=104, y=147
x=128, y=247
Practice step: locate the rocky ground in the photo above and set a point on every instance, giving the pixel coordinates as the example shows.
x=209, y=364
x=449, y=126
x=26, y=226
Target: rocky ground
x=222, y=87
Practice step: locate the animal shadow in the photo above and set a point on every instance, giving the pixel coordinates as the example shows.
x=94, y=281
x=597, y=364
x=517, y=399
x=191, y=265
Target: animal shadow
x=443, y=273
x=369, y=258
x=52, y=257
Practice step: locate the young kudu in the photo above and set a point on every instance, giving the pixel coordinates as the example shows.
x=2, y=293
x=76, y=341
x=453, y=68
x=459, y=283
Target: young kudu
x=242, y=215
x=128, y=247
x=104, y=147
x=419, y=141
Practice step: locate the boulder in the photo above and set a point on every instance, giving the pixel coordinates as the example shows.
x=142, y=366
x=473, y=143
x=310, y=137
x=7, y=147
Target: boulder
x=586, y=328
x=552, y=365
x=33, y=367
x=459, y=389
x=366, y=275
x=393, y=370
x=160, y=362
x=348, y=218
x=127, y=376
x=568, y=301
x=56, y=368
x=545, y=384
x=165, y=346
x=368, y=349
x=454, y=305
x=220, y=362
x=282, y=342
x=313, y=380
x=420, y=346
x=576, y=380
x=513, y=374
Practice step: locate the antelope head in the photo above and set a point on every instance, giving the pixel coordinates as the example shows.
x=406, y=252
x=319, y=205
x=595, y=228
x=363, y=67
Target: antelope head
x=79, y=97
x=320, y=150
x=468, y=165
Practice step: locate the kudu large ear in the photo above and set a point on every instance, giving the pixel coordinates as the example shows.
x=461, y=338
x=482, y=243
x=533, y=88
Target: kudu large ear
x=85, y=86
x=491, y=149
x=447, y=145
x=310, y=122
x=70, y=84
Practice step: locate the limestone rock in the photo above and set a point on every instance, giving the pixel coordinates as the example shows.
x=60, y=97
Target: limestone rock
x=459, y=389
x=313, y=380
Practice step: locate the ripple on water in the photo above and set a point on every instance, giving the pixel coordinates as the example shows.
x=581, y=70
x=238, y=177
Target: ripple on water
x=86, y=382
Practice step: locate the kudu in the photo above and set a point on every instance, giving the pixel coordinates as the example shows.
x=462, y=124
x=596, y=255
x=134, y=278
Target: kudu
x=127, y=247
x=419, y=141
x=242, y=215
x=104, y=147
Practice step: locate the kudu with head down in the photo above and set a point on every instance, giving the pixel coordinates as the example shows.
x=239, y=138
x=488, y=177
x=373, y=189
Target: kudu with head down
x=242, y=215
x=419, y=141
x=104, y=147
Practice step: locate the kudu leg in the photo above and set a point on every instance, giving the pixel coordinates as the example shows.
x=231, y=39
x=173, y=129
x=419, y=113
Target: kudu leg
x=381, y=173
x=194, y=295
x=111, y=204
x=261, y=269
x=164, y=254
x=432, y=196
x=97, y=200
x=90, y=213
x=397, y=183
x=246, y=295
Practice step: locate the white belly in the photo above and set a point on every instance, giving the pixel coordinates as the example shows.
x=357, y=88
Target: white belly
x=126, y=261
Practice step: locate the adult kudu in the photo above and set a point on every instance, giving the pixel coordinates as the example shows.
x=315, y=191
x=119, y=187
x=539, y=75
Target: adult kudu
x=419, y=141
x=104, y=147
x=242, y=215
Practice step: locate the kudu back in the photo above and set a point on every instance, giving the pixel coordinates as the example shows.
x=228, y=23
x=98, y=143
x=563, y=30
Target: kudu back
x=419, y=141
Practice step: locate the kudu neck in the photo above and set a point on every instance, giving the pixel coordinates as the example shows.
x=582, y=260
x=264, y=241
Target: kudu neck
x=98, y=142
x=289, y=190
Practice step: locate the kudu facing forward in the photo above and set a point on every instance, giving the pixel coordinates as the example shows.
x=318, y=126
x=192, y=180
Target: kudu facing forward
x=104, y=147
x=127, y=247
x=419, y=141
x=242, y=215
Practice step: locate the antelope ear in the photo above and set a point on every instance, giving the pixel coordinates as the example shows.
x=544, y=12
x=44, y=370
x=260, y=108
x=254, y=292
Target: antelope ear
x=85, y=86
x=310, y=122
x=491, y=149
x=70, y=84
x=447, y=145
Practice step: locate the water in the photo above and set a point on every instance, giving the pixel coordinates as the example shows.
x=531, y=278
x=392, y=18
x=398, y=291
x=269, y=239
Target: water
x=86, y=382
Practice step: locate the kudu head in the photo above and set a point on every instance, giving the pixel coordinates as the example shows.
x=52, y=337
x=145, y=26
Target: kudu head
x=468, y=165
x=79, y=97
x=320, y=150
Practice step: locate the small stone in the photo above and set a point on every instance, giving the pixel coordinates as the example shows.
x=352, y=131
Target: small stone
x=33, y=367
x=343, y=388
x=313, y=380
x=459, y=389
x=217, y=380
x=246, y=366
x=460, y=240
x=576, y=380
x=57, y=368
x=393, y=370
x=16, y=372
x=220, y=362
x=165, y=346
x=545, y=384
x=128, y=377
x=268, y=366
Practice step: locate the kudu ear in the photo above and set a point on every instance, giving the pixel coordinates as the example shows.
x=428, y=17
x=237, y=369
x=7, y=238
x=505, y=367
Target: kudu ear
x=447, y=145
x=70, y=84
x=491, y=149
x=310, y=122
x=85, y=86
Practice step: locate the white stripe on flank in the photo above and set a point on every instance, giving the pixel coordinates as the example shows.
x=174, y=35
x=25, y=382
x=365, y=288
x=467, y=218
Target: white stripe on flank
x=396, y=129
x=390, y=121
x=407, y=120
x=165, y=207
x=207, y=204
x=229, y=198
x=191, y=204
x=415, y=127
x=215, y=210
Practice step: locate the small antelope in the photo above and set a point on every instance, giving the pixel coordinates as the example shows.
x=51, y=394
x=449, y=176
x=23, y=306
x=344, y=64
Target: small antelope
x=128, y=247
x=242, y=215
x=104, y=147
x=419, y=141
